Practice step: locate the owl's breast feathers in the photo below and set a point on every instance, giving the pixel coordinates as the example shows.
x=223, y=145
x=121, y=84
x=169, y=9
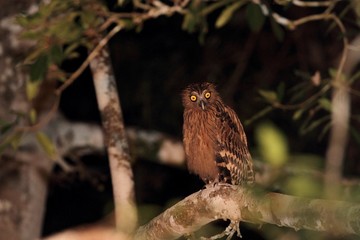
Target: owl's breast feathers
x=199, y=144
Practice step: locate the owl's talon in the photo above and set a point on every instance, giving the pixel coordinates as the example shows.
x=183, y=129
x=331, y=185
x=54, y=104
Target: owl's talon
x=234, y=227
x=190, y=236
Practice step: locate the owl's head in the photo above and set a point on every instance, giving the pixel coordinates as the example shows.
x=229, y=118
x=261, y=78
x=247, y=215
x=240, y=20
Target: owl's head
x=199, y=96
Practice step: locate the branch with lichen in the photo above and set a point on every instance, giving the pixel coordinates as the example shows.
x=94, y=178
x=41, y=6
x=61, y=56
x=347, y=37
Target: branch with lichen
x=116, y=142
x=239, y=204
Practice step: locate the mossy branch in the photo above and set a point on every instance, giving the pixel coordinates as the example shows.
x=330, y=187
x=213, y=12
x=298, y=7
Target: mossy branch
x=240, y=204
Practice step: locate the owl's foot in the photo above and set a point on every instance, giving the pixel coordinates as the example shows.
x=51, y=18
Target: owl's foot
x=234, y=227
x=190, y=236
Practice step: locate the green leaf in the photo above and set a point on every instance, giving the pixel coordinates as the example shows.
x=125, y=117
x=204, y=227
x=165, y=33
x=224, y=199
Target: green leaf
x=354, y=77
x=355, y=134
x=11, y=140
x=298, y=114
x=259, y=114
x=70, y=49
x=16, y=140
x=189, y=23
x=32, y=115
x=46, y=144
x=6, y=126
x=269, y=96
x=325, y=104
x=35, y=54
x=324, y=130
x=280, y=91
x=314, y=124
x=273, y=145
x=255, y=17
x=302, y=186
x=333, y=72
x=56, y=54
x=39, y=68
x=356, y=7
x=227, y=13
x=32, y=89
x=283, y=2
x=277, y=30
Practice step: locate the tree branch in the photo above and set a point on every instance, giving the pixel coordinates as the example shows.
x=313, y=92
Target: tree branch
x=116, y=142
x=237, y=203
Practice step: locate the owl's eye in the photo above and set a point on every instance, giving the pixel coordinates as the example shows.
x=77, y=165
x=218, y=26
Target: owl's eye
x=193, y=98
x=207, y=95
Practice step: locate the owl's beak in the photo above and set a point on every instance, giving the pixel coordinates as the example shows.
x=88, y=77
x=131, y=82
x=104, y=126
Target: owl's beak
x=202, y=104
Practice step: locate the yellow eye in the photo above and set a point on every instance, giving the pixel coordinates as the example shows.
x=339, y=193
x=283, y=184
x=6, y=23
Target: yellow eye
x=193, y=98
x=207, y=95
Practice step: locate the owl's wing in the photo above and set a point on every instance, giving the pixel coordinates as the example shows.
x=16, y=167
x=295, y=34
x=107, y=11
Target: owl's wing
x=233, y=157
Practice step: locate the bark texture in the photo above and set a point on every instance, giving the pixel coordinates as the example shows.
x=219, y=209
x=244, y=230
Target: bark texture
x=23, y=174
x=240, y=204
x=116, y=142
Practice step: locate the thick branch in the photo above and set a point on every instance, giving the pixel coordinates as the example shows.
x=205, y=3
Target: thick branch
x=116, y=142
x=236, y=203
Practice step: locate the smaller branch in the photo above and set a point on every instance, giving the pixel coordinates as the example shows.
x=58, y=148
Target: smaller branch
x=302, y=104
x=44, y=120
x=301, y=3
x=102, y=43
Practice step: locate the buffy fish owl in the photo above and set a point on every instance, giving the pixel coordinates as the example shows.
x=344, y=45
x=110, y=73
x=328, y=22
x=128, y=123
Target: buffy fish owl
x=214, y=139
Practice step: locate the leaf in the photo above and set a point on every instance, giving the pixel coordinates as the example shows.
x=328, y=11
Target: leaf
x=16, y=140
x=70, y=49
x=32, y=89
x=255, y=17
x=273, y=145
x=269, y=96
x=325, y=129
x=32, y=115
x=283, y=2
x=39, y=68
x=280, y=91
x=354, y=77
x=121, y=2
x=356, y=7
x=355, y=134
x=325, y=104
x=34, y=55
x=259, y=114
x=333, y=72
x=227, y=13
x=56, y=54
x=5, y=126
x=277, y=30
x=127, y=23
x=46, y=144
x=189, y=23
x=314, y=124
x=13, y=140
x=302, y=186
x=297, y=114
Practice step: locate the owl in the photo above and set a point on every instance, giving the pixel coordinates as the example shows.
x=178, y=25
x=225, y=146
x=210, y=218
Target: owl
x=214, y=139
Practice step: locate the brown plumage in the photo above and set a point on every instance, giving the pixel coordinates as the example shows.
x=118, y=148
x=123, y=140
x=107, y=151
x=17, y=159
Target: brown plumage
x=214, y=139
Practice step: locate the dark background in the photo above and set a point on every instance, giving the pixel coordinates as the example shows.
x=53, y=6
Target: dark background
x=153, y=66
